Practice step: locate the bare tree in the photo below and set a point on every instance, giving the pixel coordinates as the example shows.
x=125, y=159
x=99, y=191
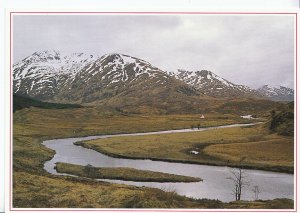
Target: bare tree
x=239, y=179
x=256, y=191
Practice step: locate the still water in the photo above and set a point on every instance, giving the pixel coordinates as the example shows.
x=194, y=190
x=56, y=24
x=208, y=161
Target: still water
x=216, y=183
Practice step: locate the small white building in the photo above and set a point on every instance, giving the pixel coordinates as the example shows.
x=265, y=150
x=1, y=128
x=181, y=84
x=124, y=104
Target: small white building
x=202, y=116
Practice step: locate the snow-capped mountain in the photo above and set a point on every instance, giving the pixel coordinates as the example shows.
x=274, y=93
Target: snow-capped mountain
x=213, y=85
x=117, y=68
x=119, y=79
x=83, y=78
x=111, y=75
x=43, y=73
x=277, y=93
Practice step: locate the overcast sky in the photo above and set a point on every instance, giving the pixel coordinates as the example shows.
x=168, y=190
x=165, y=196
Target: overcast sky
x=244, y=49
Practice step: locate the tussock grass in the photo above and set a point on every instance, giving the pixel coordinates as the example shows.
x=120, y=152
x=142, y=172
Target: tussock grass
x=37, y=191
x=128, y=174
x=33, y=125
x=270, y=153
x=216, y=147
x=92, y=120
x=262, y=204
x=33, y=187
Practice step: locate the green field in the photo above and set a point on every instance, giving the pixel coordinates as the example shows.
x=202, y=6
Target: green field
x=127, y=174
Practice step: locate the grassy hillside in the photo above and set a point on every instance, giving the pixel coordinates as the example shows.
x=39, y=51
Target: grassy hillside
x=282, y=120
x=21, y=102
x=168, y=101
x=252, y=106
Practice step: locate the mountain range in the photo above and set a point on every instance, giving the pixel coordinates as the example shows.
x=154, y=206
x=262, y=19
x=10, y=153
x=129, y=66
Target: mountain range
x=124, y=81
x=277, y=93
x=213, y=85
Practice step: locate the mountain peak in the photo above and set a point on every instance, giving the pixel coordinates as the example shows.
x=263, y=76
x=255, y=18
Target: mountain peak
x=122, y=59
x=115, y=67
x=211, y=84
x=198, y=78
x=47, y=55
x=277, y=92
x=49, y=74
x=41, y=73
x=203, y=72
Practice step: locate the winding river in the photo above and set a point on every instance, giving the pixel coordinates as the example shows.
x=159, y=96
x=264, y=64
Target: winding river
x=216, y=184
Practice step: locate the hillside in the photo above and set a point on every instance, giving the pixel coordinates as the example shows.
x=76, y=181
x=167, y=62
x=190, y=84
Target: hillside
x=282, y=120
x=213, y=85
x=128, y=84
x=44, y=73
x=276, y=93
x=20, y=102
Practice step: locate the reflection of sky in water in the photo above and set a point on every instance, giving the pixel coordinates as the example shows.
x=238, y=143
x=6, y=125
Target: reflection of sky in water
x=216, y=184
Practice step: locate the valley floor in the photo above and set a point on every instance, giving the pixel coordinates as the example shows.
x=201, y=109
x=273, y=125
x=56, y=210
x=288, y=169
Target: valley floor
x=247, y=147
x=46, y=191
x=34, y=187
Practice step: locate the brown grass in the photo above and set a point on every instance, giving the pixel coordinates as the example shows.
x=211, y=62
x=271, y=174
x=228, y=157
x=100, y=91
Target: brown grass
x=33, y=187
x=274, y=152
x=121, y=173
x=37, y=191
x=238, y=143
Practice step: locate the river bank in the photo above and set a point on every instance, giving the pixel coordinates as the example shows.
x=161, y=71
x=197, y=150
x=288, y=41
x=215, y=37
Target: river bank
x=34, y=187
x=216, y=146
x=215, y=185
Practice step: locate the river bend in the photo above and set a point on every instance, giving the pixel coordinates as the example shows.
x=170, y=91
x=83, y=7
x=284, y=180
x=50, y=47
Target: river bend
x=216, y=184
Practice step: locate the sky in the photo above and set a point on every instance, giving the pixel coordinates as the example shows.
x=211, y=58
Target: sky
x=252, y=50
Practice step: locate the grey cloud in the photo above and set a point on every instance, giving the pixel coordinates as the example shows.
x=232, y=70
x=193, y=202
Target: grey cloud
x=251, y=50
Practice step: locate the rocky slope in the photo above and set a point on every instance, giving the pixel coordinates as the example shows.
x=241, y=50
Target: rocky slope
x=115, y=79
x=43, y=74
x=277, y=93
x=213, y=85
x=123, y=82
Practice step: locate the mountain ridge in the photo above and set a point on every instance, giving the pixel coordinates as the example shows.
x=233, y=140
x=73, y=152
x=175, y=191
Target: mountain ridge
x=277, y=93
x=213, y=85
x=118, y=80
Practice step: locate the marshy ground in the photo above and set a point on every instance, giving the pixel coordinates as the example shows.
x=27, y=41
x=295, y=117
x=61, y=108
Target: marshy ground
x=34, y=187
